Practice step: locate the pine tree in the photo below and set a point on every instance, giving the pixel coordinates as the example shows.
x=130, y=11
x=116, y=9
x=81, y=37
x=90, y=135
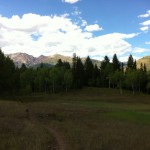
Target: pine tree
x=104, y=63
x=131, y=64
x=106, y=69
x=79, y=73
x=134, y=65
x=66, y=65
x=116, y=63
x=23, y=68
x=96, y=75
x=59, y=63
x=88, y=70
x=7, y=71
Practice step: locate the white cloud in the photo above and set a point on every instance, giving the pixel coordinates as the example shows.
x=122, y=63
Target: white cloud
x=92, y=28
x=70, y=1
x=48, y=35
x=145, y=28
x=145, y=25
x=147, y=14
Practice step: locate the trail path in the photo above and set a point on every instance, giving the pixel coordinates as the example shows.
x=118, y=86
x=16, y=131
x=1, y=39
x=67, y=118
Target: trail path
x=59, y=138
x=61, y=144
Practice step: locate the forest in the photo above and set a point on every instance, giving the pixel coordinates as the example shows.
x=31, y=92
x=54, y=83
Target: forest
x=64, y=76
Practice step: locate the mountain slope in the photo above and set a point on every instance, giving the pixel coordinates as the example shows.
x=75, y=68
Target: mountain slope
x=20, y=58
x=145, y=60
x=30, y=61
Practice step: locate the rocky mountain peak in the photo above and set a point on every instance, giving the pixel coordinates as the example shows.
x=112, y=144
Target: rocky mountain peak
x=29, y=60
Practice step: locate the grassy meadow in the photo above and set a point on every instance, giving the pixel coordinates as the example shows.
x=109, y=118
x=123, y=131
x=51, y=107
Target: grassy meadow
x=86, y=119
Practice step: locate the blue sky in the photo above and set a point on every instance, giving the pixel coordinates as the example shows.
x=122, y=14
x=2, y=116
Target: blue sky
x=86, y=27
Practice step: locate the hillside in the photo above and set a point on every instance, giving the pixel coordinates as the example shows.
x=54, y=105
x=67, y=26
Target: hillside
x=30, y=60
x=145, y=60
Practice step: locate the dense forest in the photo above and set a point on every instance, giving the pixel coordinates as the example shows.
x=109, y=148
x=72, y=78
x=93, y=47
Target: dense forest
x=63, y=76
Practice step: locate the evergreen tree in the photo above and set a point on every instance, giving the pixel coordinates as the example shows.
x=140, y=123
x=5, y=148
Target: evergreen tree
x=106, y=69
x=104, y=63
x=89, y=68
x=7, y=73
x=79, y=73
x=131, y=64
x=23, y=68
x=59, y=63
x=134, y=65
x=66, y=65
x=116, y=63
x=96, y=76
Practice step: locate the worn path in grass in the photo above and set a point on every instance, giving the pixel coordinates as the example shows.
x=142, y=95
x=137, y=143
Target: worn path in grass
x=59, y=138
x=61, y=144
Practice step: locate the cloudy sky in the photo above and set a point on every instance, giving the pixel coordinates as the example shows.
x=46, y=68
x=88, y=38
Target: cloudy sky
x=85, y=27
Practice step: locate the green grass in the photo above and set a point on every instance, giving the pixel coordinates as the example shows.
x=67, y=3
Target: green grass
x=87, y=119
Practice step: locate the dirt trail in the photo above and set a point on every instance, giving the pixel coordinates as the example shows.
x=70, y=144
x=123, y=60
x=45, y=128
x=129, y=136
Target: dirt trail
x=60, y=140
x=58, y=137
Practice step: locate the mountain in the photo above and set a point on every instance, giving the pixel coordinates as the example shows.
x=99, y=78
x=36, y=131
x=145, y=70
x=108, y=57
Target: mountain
x=20, y=58
x=30, y=61
x=145, y=60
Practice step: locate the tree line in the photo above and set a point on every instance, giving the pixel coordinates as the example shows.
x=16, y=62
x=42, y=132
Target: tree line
x=64, y=76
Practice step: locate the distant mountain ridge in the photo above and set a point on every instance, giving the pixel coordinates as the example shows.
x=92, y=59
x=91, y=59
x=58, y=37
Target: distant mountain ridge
x=29, y=60
x=20, y=58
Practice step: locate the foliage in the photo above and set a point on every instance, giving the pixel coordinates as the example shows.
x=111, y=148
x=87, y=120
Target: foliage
x=63, y=77
x=7, y=74
x=116, y=63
